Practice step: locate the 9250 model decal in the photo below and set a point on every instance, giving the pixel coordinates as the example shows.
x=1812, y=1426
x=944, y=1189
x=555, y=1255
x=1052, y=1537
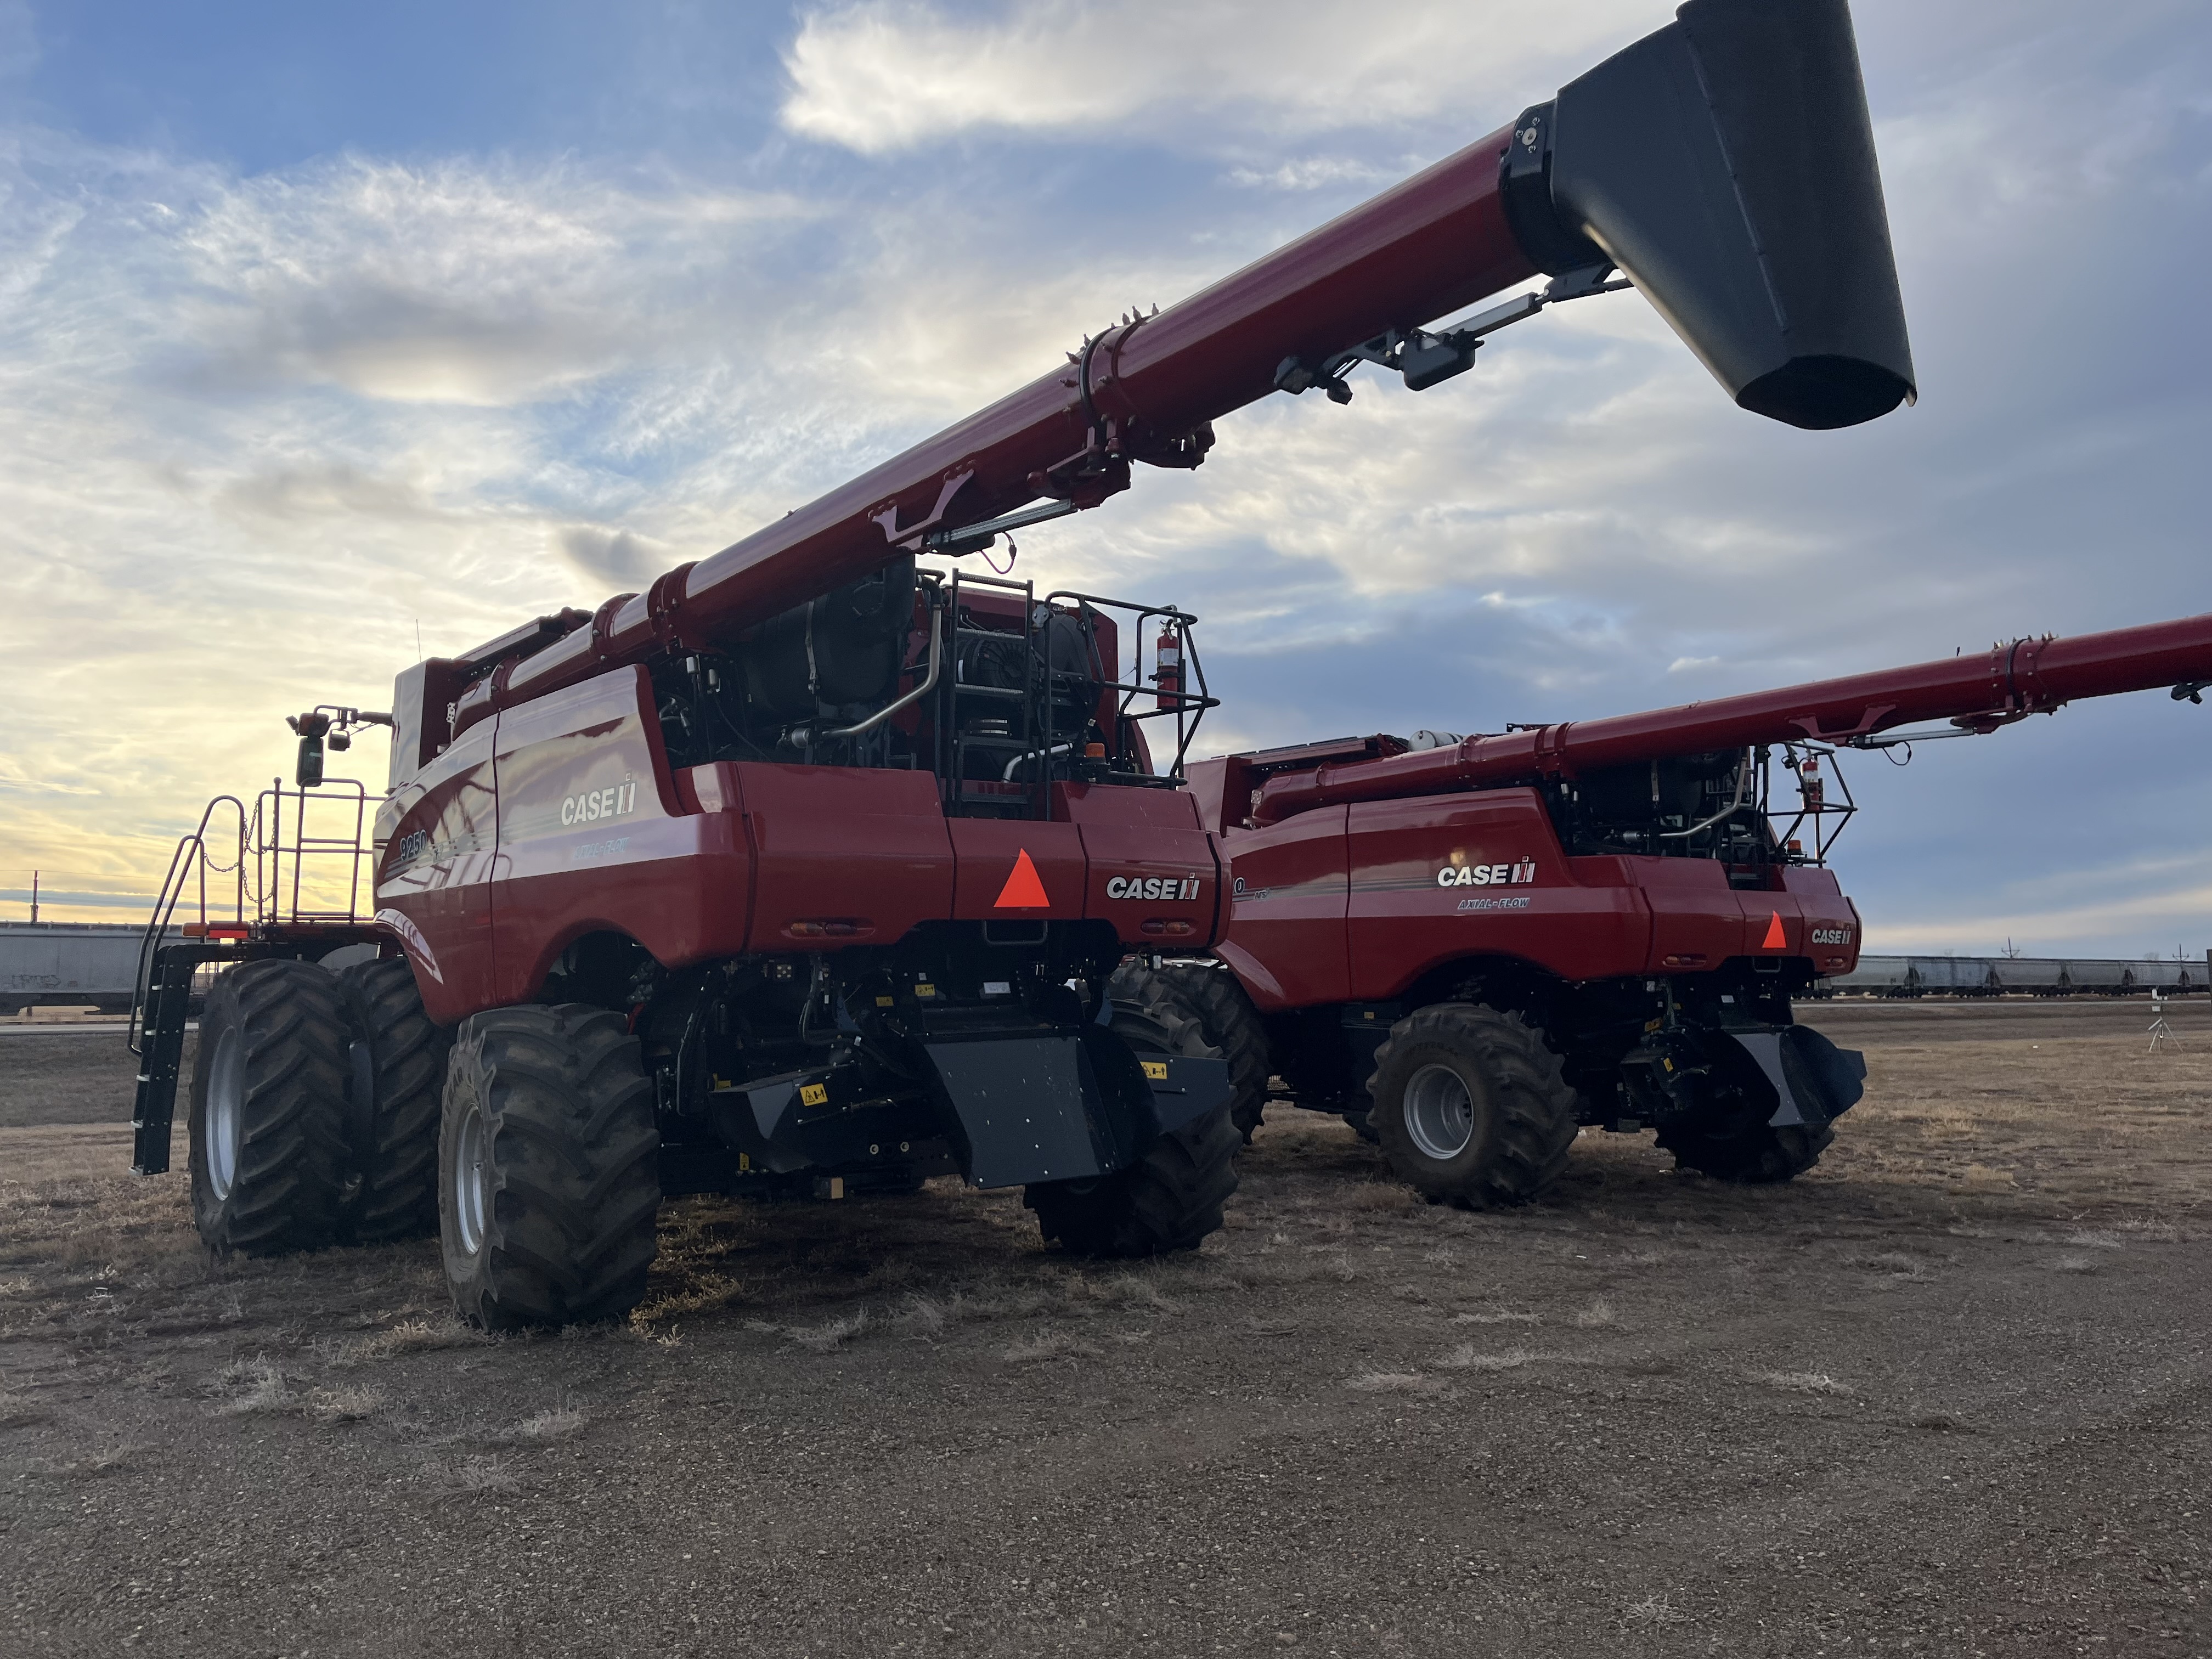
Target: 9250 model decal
x=1487, y=875
x=1152, y=887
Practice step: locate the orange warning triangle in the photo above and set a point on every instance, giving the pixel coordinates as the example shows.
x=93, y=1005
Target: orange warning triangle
x=1023, y=891
x=1776, y=939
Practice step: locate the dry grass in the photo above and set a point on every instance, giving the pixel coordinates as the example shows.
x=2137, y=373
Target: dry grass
x=472, y=1477
x=415, y=1336
x=16, y=1409
x=1049, y=1345
x=562, y=1420
x=1599, y=1315
x=829, y=1336
x=2073, y=1261
x=1652, y=1612
x=1500, y=1316
x=1803, y=1383
x=1465, y=1359
x=1406, y=1382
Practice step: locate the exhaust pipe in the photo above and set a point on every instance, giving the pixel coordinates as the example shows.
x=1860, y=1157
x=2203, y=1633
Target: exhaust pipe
x=1726, y=165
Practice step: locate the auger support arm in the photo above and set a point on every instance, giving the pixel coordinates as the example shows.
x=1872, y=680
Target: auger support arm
x=1724, y=164
x=1973, y=694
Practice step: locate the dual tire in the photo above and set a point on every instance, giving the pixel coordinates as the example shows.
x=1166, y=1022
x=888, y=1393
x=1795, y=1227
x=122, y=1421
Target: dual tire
x=313, y=1108
x=1170, y=1199
x=327, y=1109
x=1209, y=993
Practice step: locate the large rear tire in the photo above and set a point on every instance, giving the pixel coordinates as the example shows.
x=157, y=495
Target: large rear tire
x=548, y=1175
x=1170, y=1199
x=269, y=1152
x=1743, y=1147
x=1472, y=1106
x=400, y=1067
x=1212, y=994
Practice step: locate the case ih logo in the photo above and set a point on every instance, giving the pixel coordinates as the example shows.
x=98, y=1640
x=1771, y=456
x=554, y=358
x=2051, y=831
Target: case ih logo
x=1487, y=875
x=1832, y=936
x=613, y=802
x=1150, y=887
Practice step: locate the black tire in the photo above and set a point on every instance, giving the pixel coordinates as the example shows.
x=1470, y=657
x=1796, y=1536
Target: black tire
x=1513, y=1118
x=551, y=1110
x=1170, y=1199
x=269, y=1153
x=1213, y=996
x=399, y=1065
x=1731, y=1138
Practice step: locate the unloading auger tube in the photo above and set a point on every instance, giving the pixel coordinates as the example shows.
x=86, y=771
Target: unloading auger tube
x=1977, y=694
x=1724, y=164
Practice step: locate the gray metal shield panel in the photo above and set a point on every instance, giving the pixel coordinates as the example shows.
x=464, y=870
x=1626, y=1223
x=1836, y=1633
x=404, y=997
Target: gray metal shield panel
x=1020, y=1100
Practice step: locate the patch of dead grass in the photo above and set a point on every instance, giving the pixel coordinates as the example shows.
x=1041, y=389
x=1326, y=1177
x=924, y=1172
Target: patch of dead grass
x=472, y=1477
x=1465, y=1359
x=1047, y=1345
x=1803, y=1383
x=562, y=1420
x=1406, y=1382
x=829, y=1336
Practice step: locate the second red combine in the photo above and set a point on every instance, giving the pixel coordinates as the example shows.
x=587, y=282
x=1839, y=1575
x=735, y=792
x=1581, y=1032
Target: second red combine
x=1472, y=947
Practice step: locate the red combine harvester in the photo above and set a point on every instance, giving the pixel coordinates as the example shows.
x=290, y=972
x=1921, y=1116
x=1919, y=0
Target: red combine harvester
x=811, y=864
x=1471, y=947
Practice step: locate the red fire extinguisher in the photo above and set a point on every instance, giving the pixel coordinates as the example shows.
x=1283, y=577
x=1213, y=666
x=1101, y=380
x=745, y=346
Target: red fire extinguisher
x=1168, y=677
x=1809, y=781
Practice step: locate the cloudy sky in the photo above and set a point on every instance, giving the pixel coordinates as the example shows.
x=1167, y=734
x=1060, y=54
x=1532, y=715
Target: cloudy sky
x=323, y=329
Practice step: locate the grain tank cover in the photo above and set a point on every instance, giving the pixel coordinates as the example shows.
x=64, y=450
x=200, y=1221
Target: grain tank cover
x=1726, y=165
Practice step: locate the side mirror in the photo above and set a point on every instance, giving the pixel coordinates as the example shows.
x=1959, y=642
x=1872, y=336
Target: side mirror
x=311, y=728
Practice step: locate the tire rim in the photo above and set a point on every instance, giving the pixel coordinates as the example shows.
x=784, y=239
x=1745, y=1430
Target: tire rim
x=469, y=1181
x=223, y=1127
x=1439, y=1113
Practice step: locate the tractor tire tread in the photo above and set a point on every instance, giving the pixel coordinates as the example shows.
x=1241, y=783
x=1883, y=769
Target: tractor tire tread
x=569, y=1110
x=399, y=1164
x=1534, y=1106
x=292, y=1157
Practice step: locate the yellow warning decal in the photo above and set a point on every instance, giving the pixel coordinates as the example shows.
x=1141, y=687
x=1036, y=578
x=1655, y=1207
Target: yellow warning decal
x=1157, y=1070
x=814, y=1094
x=886, y=1002
x=924, y=990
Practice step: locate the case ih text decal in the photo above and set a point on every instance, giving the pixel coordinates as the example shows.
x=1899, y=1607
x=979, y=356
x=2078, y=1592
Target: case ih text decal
x=1152, y=887
x=616, y=800
x=1487, y=875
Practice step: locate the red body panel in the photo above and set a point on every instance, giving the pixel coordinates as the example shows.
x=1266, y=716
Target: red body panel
x=436, y=838
x=989, y=853
x=1289, y=887
x=1153, y=873
x=840, y=848
x=1404, y=922
x=562, y=818
x=1356, y=905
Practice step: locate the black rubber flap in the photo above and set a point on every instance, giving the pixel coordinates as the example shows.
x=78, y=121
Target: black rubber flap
x=1726, y=164
x=1022, y=1108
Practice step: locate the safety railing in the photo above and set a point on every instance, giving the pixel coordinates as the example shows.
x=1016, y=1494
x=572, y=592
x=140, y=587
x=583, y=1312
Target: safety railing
x=296, y=858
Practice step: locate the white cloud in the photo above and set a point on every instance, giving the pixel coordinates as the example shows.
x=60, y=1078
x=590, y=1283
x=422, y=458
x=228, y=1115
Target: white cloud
x=885, y=74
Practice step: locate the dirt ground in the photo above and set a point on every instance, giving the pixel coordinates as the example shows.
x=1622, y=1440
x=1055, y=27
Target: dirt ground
x=1949, y=1395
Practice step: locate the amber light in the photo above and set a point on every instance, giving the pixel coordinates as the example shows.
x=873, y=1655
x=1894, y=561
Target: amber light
x=1158, y=925
x=825, y=929
x=1688, y=960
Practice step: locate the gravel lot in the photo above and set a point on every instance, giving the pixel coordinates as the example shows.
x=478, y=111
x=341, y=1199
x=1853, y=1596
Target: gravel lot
x=1949, y=1395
